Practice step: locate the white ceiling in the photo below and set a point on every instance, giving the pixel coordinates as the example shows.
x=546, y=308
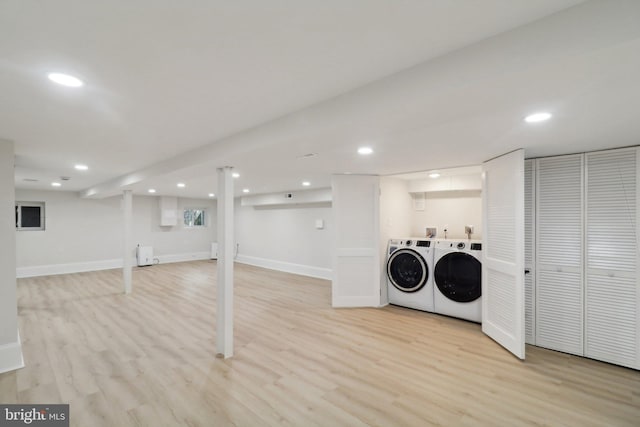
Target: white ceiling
x=172, y=93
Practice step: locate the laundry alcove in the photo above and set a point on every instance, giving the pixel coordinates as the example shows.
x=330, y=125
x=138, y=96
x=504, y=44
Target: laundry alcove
x=357, y=252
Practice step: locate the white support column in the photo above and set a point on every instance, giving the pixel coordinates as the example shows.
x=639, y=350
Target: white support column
x=224, y=295
x=127, y=255
x=10, y=347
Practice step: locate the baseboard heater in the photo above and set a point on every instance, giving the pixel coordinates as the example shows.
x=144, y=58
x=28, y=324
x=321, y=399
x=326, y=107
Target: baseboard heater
x=144, y=255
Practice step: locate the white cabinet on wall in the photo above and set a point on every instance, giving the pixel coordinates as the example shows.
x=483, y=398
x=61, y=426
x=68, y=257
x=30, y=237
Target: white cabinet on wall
x=612, y=297
x=168, y=211
x=529, y=250
x=559, y=253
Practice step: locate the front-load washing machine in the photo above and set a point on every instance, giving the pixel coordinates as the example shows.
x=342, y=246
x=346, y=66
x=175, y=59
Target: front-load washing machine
x=458, y=279
x=410, y=273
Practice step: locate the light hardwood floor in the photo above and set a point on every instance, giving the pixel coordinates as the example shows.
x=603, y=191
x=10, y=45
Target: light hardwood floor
x=147, y=359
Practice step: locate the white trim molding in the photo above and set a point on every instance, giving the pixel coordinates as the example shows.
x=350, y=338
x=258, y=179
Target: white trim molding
x=287, y=267
x=108, y=264
x=11, y=356
x=190, y=256
x=76, y=267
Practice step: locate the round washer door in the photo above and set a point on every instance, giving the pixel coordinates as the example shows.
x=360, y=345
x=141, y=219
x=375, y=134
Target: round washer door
x=407, y=270
x=459, y=277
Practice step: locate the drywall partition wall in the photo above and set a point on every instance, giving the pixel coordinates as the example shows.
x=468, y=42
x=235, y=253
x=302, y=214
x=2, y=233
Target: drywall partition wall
x=285, y=238
x=453, y=209
x=10, y=348
x=395, y=220
x=86, y=234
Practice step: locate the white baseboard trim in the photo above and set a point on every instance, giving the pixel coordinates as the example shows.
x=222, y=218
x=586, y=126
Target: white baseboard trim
x=191, y=256
x=287, y=267
x=11, y=356
x=108, y=264
x=75, y=267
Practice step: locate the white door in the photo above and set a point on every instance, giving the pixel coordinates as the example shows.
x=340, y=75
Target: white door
x=529, y=251
x=612, y=293
x=559, y=253
x=503, y=310
x=356, y=253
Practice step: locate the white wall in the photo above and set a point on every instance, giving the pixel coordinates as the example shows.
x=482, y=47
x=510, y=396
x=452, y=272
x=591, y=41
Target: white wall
x=285, y=238
x=86, y=234
x=10, y=348
x=453, y=209
x=395, y=220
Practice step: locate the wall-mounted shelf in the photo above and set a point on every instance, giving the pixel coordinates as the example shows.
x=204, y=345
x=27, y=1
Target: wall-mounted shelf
x=447, y=183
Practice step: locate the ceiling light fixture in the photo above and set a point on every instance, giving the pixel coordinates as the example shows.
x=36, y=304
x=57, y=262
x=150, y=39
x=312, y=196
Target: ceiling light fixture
x=181, y=185
x=537, y=117
x=55, y=184
x=81, y=167
x=235, y=175
x=151, y=190
x=365, y=151
x=434, y=175
x=245, y=190
x=212, y=195
x=65, y=80
x=306, y=183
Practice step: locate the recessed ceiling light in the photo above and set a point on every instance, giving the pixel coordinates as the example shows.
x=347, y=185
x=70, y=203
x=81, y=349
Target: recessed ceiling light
x=306, y=183
x=55, y=184
x=235, y=175
x=81, y=167
x=212, y=195
x=365, y=150
x=65, y=80
x=245, y=190
x=537, y=117
x=151, y=190
x=181, y=185
x=434, y=175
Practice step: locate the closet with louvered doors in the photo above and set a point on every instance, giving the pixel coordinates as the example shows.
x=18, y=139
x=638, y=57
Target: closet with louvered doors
x=582, y=294
x=559, y=296
x=612, y=292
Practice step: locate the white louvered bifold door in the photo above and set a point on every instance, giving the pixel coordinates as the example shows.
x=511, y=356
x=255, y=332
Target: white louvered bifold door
x=503, y=251
x=559, y=247
x=529, y=251
x=611, y=286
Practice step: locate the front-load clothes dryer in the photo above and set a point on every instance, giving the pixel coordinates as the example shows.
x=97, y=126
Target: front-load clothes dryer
x=458, y=279
x=410, y=273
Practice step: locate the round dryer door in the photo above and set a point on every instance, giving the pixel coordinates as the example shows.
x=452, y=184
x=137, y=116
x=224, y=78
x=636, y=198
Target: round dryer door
x=459, y=277
x=407, y=270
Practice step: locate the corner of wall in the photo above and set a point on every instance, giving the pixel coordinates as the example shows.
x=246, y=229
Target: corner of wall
x=11, y=356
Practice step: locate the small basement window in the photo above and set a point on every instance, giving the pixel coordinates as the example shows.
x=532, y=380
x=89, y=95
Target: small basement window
x=29, y=216
x=195, y=218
